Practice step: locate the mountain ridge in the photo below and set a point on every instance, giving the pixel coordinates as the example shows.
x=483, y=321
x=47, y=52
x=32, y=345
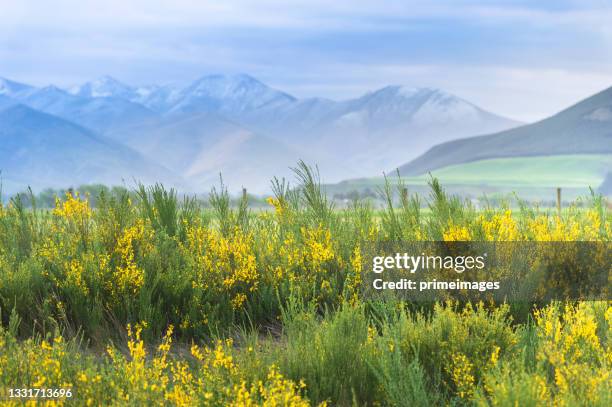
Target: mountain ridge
x=43, y=150
x=369, y=133
x=585, y=127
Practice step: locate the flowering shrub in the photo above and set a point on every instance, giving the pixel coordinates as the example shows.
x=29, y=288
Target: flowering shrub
x=210, y=377
x=282, y=290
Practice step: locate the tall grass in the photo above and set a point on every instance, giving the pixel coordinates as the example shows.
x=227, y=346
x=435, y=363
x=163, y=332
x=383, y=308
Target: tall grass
x=286, y=286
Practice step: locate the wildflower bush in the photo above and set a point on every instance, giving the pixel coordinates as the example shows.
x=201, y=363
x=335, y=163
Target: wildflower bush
x=148, y=299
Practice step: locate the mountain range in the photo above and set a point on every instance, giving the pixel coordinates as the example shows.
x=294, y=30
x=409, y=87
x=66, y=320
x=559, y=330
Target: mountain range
x=571, y=150
x=229, y=124
x=584, y=128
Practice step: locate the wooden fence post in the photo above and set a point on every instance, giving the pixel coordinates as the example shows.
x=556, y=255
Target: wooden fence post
x=559, y=200
x=244, y=193
x=404, y=195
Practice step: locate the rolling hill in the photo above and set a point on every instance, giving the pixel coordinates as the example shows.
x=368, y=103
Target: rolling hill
x=584, y=128
x=571, y=171
x=201, y=146
x=41, y=150
x=571, y=150
x=532, y=178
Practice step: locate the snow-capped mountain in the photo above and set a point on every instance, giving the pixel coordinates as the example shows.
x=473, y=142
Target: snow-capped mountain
x=396, y=105
x=158, y=98
x=98, y=113
x=582, y=129
x=241, y=126
x=231, y=95
x=228, y=93
x=377, y=129
x=50, y=99
x=104, y=86
x=396, y=122
x=151, y=96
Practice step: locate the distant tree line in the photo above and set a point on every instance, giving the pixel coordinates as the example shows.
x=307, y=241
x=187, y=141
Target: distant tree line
x=47, y=197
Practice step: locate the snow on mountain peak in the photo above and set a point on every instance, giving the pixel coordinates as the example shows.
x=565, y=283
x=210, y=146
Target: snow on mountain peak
x=52, y=88
x=406, y=91
x=237, y=92
x=11, y=88
x=390, y=125
x=228, y=93
x=419, y=92
x=104, y=86
x=402, y=94
x=109, y=82
x=4, y=86
x=145, y=91
x=396, y=105
x=228, y=86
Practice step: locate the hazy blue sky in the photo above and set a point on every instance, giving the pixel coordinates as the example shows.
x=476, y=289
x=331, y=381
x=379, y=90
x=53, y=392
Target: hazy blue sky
x=523, y=59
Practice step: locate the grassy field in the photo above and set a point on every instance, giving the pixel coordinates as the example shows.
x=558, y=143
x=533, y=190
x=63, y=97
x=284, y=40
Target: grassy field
x=533, y=178
x=566, y=171
x=148, y=300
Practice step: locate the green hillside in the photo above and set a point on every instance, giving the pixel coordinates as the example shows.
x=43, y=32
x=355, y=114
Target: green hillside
x=532, y=177
x=585, y=128
x=558, y=171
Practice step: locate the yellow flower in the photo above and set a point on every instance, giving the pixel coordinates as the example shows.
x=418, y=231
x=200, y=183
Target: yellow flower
x=128, y=277
x=456, y=233
x=72, y=207
x=278, y=205
x=461, y=371
x=495, y=355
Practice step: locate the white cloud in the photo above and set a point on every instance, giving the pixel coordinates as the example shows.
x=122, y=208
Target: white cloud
x=111, y=14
